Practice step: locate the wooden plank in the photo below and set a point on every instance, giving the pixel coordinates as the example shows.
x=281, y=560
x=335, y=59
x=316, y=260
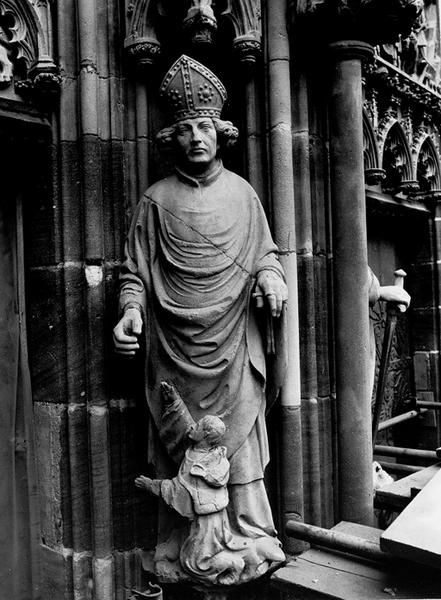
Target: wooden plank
x=323, y=575
x=320, y=574
x=399, y=493
x=416, y=532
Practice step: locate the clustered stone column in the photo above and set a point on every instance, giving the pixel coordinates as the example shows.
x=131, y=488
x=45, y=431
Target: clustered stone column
x=348, y=27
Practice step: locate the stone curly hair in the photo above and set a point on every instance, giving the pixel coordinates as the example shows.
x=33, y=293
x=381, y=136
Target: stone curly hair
x=227, y=134
x=209, y=428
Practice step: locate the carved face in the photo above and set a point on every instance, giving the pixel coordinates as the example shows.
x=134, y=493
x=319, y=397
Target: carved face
x=196, y=141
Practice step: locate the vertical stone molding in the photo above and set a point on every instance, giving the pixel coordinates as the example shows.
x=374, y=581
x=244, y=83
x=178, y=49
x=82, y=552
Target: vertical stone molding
x=351, y=281
x=282, y=192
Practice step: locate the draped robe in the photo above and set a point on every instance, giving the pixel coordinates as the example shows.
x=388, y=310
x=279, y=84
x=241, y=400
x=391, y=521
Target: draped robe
x=193, y=252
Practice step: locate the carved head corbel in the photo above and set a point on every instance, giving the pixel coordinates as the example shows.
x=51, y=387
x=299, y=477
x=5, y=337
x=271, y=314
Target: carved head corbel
x=200, y=24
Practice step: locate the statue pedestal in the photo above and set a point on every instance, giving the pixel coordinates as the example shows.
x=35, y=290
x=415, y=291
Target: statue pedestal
x=255, y=590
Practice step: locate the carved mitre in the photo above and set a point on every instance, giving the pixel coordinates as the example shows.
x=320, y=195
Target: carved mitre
x=191, y=90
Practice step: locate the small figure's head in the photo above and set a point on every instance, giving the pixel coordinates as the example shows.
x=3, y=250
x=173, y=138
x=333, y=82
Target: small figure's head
x=208, y=431
x=380, y=478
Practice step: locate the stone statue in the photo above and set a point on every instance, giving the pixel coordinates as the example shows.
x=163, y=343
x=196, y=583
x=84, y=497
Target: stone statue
x=213, y=552
x=200, y=263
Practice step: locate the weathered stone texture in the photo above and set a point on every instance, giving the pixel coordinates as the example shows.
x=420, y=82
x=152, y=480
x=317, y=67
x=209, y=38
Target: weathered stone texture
x=46, y=334
x=50, y=430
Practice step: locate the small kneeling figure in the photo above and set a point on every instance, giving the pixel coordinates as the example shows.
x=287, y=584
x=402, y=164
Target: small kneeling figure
x=213, y=552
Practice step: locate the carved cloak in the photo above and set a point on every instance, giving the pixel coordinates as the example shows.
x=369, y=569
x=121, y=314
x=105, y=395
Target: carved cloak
x=193, y=252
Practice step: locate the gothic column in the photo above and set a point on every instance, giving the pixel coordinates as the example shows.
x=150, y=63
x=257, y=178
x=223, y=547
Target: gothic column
x=351, y=282
x=349, y=26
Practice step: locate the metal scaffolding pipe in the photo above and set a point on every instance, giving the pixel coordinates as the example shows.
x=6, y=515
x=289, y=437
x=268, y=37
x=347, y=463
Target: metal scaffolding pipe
x=400, y=469
x=351, y=282
x=411, y=414
x=427, y=404
x=336, y=540
x=409, y=452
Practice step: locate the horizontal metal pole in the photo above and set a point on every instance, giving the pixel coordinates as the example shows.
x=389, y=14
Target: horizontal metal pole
x=398, y=468
x=427, y=404
x=336, y=540
x=401, y=418
x=410, y=452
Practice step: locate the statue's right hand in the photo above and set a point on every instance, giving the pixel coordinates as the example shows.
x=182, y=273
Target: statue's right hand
x=126, y=332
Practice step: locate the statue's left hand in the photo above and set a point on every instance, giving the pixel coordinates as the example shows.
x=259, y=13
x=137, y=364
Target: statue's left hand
x=270, y=286
x=144, y=483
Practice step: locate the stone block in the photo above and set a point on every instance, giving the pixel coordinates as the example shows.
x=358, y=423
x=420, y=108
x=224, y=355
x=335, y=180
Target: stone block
x=421, y=370
x=70, y=190
x=46, y=334
x=113, y=184
x=56, y=574
x=322, y=310
x=424, y=327
x=420, y=285
x=79, y=472
x=50, y=436
x=75, y=315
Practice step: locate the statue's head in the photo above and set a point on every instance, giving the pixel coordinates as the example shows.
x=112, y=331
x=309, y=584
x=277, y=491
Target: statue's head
x=195, y=97
x=209, y=429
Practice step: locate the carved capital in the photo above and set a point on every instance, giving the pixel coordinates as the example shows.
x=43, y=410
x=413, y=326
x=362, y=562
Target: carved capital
x=347, y=49
x=46, y=83
x=143, y=51
x=408, y=186
x=374, y=176
x=142, y=45
x=245, y=17
x=248, y=49
x=372, y=21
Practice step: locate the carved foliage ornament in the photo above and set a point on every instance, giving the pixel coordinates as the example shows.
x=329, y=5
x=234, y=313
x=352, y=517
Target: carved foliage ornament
x=418, y=54
x=26, y=46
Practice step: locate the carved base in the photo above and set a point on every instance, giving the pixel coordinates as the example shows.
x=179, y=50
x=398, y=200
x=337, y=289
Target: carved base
x=256, y=590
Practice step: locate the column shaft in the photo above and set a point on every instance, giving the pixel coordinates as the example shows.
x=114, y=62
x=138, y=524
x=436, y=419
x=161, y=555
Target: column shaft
x=351, y=283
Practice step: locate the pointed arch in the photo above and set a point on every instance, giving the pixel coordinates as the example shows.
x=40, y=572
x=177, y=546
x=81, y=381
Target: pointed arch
x=141, y=19
x=428, y=167
x=28, y=27
x=142, y=43
x=396, y=160
x=245, y=16
x=372, y=170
